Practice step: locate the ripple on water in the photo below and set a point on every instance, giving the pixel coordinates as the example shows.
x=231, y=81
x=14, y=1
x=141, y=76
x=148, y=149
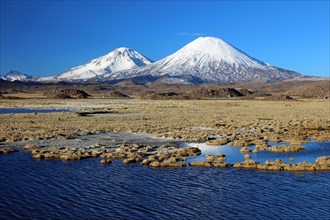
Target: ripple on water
x=85, y=189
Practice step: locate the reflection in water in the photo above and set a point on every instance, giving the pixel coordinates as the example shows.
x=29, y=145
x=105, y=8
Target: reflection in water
x=312, y=151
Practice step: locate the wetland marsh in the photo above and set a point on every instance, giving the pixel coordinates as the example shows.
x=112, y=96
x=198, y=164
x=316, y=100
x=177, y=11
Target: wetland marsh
x=127, y=158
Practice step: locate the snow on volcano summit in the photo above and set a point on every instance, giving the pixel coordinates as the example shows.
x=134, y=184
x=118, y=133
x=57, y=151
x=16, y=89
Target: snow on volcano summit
x=209, y=59
x=205, y=50
x=117, y=60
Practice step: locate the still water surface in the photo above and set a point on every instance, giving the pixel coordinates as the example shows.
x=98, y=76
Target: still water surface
x=52, y=189
x=312, y=151
x=27, y=110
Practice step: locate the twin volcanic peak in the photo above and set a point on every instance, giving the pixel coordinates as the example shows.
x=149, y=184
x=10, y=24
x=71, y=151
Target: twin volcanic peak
x=209, y=59
x=206, y=59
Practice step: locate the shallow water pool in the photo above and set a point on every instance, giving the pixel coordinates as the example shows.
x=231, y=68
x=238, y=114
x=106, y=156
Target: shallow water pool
x=312, y=151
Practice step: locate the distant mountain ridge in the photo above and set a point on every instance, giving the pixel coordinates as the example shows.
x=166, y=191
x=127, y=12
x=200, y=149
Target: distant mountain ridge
x=206, y=59
x=14, y=75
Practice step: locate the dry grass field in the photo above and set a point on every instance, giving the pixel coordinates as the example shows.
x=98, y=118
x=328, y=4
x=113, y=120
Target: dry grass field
x=240, y=122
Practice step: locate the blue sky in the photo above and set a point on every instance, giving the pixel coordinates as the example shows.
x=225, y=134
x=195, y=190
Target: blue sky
x=48, y=37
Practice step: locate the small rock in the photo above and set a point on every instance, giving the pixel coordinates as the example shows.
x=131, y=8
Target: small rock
x=209, y=158
x=38, y=156
x=247, y=156
x=245, y=150
x=106, y=161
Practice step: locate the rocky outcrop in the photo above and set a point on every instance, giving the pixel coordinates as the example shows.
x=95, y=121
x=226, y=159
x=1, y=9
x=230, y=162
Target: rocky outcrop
x=246, y=92
x=162, y=96
x=115, y=94
x=66, y=94
x=204, y=93
x=201, y=93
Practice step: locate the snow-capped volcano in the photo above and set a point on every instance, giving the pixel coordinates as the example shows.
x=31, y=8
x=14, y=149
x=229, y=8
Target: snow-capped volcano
x=117, y=60
x=209, y=59
x=206, y=59
x=16, y=76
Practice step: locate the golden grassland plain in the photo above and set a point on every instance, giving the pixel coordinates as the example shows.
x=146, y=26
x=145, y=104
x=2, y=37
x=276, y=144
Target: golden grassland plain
x=237, y=122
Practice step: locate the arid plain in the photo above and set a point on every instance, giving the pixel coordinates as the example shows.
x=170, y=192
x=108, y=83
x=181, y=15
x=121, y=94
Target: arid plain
x=238, y=121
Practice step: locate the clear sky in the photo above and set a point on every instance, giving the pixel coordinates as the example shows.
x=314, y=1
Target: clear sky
x=48, y=37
